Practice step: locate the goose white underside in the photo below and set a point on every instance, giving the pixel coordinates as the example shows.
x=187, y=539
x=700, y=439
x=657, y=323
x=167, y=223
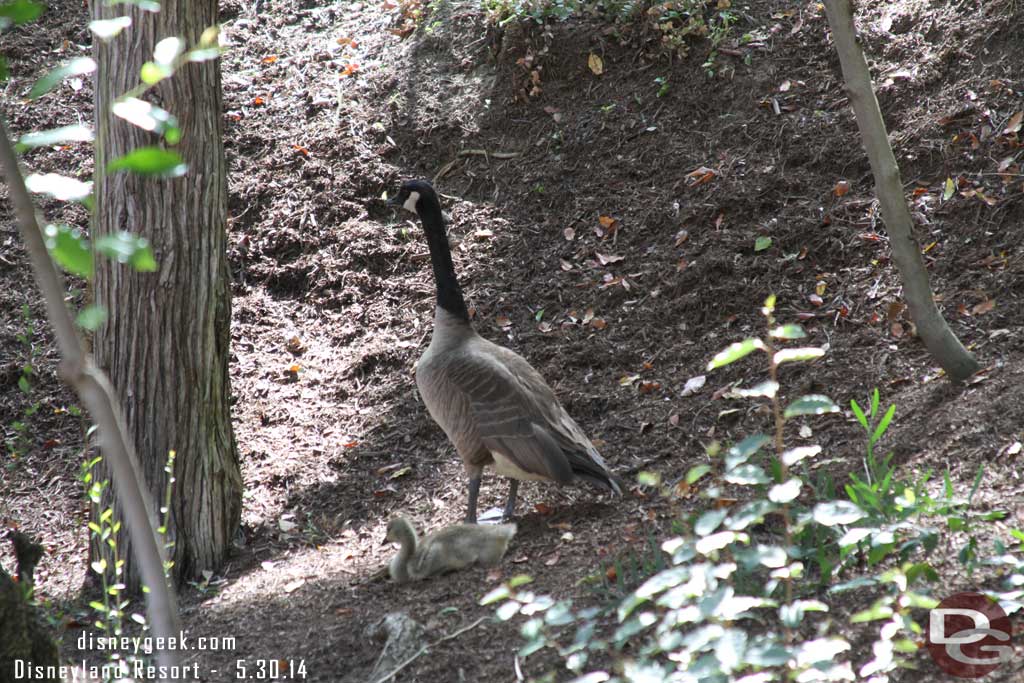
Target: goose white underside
x=507, y=468
x=410, y=203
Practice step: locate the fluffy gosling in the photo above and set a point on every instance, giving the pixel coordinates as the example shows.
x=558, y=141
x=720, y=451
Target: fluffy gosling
x=445, y=550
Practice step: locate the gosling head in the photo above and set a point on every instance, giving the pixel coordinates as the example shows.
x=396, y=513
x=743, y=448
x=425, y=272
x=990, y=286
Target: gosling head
x=413, y=195
x=398, y=529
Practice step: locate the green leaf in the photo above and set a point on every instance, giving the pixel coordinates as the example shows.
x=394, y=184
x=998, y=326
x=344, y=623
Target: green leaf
x=55, y=136
x=76, y=67
x=883, y=424
x=91, y=317
x=837, y=512
x=125, y=247
x=167, y=50
x=747, y=475
x=739, y=453
x=791, y=355
x=788, y=332
x=709, y=521
x=144, y=5
x=4, y=71
x=948, y=189
x=786, y=492
x=645, y=478
x=880, y=610
x=750, y=513
x=150, y=161
x=20, y=11
x=508, y=610
x=69, y=248
x=795, y=455
x=762, y=243
x=734, y=352
x=147, y=117
x=105, y=29
x=859, y=414
x=698, y=471
x=766, y=389
x=58, y=186
x=812, y=404
x=203, y=54
x=499, y=593
x=152, y=73
x=519, y=580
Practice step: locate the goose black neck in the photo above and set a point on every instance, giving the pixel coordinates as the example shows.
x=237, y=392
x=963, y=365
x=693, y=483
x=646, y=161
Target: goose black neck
x=449, y=294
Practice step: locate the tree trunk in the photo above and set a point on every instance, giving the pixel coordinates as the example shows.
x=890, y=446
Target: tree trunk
x=943, y=345
x=165, y=342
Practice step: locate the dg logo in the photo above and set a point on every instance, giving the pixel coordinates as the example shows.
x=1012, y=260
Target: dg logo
x=969, y=635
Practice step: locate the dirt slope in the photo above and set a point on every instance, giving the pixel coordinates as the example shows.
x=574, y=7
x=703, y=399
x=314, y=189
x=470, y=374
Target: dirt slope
x=617, y=320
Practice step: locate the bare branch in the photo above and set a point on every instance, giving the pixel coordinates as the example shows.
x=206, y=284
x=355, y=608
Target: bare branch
x=91, y=385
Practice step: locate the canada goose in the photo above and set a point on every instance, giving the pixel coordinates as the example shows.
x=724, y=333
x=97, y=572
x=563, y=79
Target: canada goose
x=448, y=549
x=495, y=408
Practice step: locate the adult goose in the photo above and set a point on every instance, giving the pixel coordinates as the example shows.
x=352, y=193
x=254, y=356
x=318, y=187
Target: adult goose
x=495, y=408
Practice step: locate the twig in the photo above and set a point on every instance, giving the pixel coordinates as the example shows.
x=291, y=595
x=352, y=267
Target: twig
x=426, y=647
x=91, y=384
x=485, y=153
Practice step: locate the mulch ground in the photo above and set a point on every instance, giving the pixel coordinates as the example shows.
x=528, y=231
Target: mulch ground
x=604, y=227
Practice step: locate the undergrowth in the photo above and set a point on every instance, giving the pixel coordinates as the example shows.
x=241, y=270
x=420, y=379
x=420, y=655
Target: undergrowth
x=674, y=27
x=747, y=591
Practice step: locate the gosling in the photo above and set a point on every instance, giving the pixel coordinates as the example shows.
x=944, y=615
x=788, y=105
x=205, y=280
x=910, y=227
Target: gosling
x=454, y=547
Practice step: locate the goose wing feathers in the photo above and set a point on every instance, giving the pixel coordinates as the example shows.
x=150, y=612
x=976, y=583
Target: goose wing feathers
x=489, y=399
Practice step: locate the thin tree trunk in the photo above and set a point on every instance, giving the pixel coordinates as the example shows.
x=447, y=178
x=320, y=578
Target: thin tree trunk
x=91, y=385
x=943, y=345
x=165, y=342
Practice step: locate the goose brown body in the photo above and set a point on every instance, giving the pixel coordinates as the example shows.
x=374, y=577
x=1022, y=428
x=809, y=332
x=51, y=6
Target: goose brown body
x=492, y=404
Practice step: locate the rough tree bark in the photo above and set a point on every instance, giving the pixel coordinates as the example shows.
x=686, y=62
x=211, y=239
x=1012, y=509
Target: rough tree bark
x=943, y=345
x=165, y=342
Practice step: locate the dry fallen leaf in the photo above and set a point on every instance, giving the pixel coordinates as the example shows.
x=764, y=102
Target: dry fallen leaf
x=502, y=321
x=1014, y=124
x=648, y=387
x=694, y=384
x=598, y=323
x=543, y=509
x=588, y=315
x=569, y=234
x=896, y=329
x=673, y=419
x=700, y=175
x=611, y=574
x=564, y=264
x=983, y=307
x=596, y=64
x=269, y=59
x=815, y=299
x=605, y=259
x=551, y=561
x=841, y=188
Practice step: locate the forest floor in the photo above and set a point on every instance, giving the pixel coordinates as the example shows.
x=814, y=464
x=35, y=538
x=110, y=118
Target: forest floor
x=329, y=106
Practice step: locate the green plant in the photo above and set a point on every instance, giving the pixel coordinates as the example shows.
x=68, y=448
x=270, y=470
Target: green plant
x=21, y=441
x=731, y=602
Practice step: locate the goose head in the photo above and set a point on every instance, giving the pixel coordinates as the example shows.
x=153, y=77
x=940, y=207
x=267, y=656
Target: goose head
x=416, y=196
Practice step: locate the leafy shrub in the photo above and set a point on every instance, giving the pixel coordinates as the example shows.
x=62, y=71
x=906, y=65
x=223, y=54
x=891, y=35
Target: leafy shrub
x=731, y=606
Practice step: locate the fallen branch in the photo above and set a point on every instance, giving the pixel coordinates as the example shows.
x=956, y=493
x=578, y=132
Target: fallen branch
x=90, y=383
x=426, y=647
x=473, y=153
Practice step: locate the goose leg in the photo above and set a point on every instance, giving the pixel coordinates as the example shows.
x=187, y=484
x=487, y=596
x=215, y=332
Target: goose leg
x=510, y=506
x=474, y=491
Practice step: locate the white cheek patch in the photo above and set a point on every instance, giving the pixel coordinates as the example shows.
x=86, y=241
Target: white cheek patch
x=410, y=203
